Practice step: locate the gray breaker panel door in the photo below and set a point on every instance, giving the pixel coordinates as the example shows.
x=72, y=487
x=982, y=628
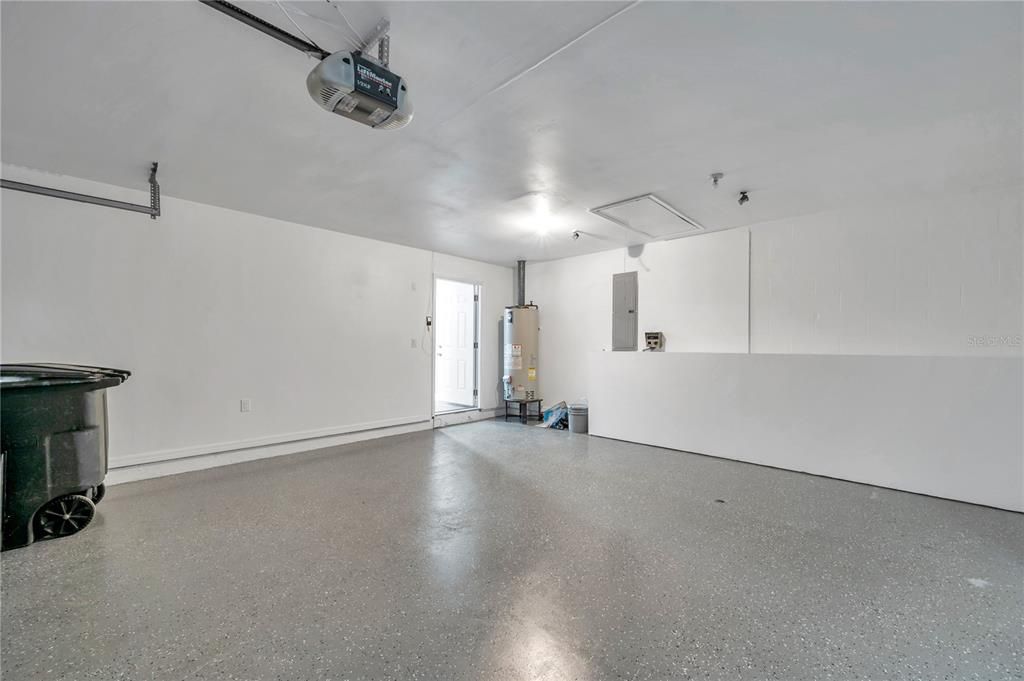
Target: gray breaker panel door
x=624, y=314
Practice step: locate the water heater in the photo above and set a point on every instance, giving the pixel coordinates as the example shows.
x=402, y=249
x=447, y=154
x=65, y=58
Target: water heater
x=520, y=380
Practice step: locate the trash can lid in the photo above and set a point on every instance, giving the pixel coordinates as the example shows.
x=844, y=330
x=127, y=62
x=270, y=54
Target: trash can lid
x=56, y=375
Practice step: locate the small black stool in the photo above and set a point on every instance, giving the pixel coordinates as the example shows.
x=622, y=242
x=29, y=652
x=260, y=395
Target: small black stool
x=524, y=410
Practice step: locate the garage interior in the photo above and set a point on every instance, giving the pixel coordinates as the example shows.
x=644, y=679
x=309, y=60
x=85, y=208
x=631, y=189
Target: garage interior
x=512, y=340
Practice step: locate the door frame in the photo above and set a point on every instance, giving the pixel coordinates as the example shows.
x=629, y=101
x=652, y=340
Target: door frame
x=477, y=304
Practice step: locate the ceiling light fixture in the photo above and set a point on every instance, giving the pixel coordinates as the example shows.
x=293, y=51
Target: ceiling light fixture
x=537, y=213
x=542, y=217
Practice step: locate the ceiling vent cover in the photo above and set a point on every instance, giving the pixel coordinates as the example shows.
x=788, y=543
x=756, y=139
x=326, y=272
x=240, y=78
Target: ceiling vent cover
x=650, y=216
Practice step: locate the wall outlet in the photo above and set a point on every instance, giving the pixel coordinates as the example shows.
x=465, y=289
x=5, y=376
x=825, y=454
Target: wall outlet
x=245, y=406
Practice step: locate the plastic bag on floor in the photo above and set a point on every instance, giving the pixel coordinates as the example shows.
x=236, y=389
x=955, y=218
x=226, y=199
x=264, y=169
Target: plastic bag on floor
x=556, y=417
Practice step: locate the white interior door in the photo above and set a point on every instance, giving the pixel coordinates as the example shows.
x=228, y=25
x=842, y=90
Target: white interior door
x=455, y=328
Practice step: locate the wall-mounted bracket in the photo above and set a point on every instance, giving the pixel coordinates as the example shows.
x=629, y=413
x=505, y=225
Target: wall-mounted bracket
x=152, y=210
x=154, y=193
x=381, y=38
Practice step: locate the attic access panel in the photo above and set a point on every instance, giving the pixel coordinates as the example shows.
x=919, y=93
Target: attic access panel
x=650, y=216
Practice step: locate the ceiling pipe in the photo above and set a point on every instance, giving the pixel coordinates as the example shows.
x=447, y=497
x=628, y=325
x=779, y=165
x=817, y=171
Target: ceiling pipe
x=521, y=283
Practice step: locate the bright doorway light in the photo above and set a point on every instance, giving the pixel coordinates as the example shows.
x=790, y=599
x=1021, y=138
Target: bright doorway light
x=456, y=346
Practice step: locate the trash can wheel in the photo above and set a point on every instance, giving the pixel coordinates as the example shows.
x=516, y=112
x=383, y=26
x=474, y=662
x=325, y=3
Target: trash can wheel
x=65, y=515
x=98, y=493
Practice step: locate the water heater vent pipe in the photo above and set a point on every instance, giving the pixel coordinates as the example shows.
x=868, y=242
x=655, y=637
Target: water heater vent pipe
x=521, y=283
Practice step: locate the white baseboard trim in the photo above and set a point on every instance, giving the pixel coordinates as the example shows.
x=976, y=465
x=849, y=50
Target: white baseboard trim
x=220, y=447
x=455, y=418
x=172, y=462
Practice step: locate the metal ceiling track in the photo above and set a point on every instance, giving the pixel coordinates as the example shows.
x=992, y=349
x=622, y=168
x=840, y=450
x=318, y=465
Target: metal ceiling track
x=254, y=21
x=152, y=210
x=380, y=36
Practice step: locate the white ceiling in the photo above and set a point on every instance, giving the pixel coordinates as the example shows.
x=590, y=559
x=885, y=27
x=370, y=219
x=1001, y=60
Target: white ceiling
x=807, y=105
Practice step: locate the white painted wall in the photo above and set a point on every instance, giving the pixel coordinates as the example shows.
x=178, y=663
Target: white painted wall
x=945, y=426
x=323, y=331
x=898, y=327
x=902, y=278
x=575, y=300
x=913, y=278
x=694, y=290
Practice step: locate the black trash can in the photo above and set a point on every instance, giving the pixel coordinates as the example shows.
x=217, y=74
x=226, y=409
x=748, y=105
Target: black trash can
x=53, y=444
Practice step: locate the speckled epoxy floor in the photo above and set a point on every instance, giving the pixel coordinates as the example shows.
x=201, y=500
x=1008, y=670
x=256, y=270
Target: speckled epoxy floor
x=501, y=551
